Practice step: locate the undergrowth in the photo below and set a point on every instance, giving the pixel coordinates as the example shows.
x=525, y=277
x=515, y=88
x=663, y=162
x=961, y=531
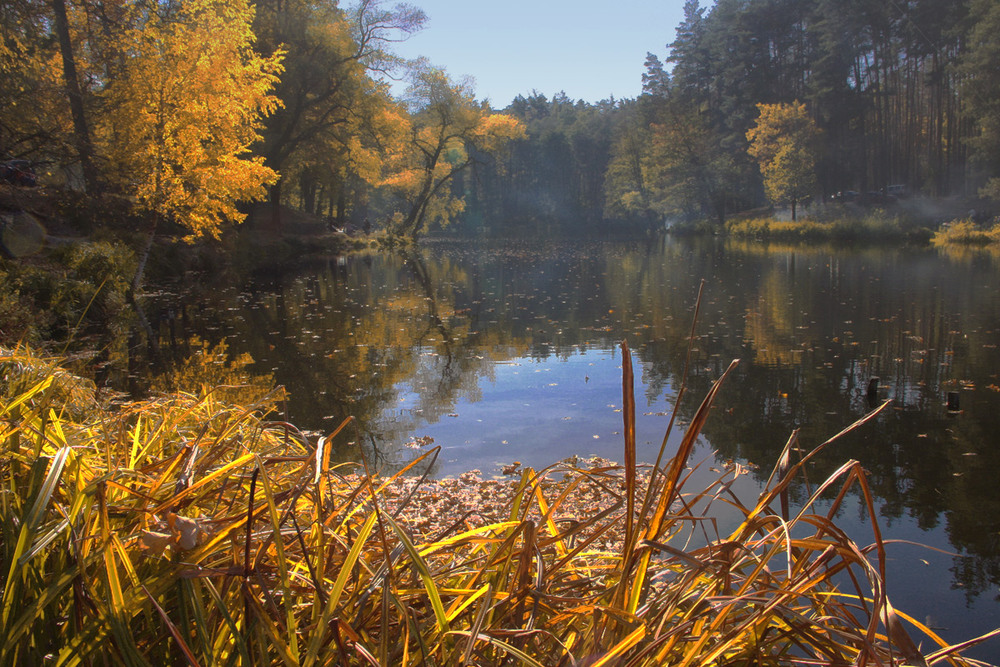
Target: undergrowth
x=185, y=529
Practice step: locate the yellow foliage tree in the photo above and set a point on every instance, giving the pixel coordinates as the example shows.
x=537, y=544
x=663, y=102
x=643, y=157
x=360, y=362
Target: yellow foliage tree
x=784, y=144
x=447, y=128
x=183, y=110
x=33, y=117
x=320, y=138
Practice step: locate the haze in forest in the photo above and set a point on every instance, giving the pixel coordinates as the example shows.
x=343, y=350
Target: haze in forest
x=866, y=104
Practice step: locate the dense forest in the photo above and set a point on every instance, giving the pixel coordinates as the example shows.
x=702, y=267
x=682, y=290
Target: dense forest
x=191, y=109
x=904, y=97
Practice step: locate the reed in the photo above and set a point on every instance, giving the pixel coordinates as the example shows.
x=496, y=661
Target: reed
x=967, y=233
x=184, y=529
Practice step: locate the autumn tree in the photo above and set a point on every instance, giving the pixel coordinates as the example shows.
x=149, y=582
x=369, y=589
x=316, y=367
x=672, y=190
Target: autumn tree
x=448, y=127
x=692, y=174
x=626, y=181
x=183, y=110
x=329, y=100
x=784, y=144
x=34, y=117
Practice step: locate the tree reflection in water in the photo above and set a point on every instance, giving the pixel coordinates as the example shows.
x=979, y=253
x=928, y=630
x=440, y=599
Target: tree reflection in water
x=399, y=341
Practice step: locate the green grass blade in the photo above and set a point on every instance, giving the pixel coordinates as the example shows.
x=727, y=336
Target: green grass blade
x=433, y=595
x=346, y=568
x=29, y=527
x=283, y=572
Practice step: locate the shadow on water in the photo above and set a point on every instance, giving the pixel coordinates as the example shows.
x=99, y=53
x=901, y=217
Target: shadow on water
x=504, y=353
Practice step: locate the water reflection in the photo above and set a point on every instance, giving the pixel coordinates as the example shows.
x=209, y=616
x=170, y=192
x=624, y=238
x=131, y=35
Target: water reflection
x=510, y=353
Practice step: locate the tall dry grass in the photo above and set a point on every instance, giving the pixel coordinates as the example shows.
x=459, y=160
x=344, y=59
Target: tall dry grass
x=187, y=530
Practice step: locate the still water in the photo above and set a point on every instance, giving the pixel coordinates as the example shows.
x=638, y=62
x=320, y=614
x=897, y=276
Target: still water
x=512, y=353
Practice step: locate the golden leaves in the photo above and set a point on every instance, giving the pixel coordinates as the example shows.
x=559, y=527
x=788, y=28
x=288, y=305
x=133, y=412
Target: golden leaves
x=497, y=129
x=783, y=143
x=184, y=110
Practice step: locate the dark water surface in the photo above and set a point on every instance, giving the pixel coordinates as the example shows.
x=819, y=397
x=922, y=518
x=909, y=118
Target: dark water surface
x=511, y=353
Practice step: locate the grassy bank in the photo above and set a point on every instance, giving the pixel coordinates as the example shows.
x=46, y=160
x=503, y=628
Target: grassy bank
x=967, y=233
x=875, y=227
x=186, y=528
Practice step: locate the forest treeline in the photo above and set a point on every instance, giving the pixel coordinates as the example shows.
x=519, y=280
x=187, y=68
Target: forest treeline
x=191, y=108
x=904, y=97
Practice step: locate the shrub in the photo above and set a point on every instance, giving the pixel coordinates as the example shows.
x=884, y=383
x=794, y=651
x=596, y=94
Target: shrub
x=83, y=286
x=966, y=232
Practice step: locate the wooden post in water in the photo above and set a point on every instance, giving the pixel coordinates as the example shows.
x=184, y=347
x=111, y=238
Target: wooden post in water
x=953, y=402
x=872, y=394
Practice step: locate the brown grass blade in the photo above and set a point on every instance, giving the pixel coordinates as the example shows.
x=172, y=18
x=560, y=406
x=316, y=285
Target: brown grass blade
x=670, y=488
x=628, y=428
x=174, y=632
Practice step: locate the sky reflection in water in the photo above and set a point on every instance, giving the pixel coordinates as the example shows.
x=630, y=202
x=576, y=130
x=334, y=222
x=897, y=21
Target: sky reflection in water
x=511, y=354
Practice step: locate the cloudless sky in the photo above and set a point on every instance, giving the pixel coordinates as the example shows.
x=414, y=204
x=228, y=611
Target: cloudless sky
x=590, y=50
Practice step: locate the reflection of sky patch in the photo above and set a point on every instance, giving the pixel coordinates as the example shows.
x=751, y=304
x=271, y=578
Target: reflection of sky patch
x=541, y=411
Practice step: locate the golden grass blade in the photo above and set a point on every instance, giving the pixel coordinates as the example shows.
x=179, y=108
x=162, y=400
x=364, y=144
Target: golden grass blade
x=323, y=451
x=133, y=457
x=948, y=651
x=477, y=625
x=461, y=604
x=500, y=644
x=41, y=543
x=670, y=487
x=900, y=638
x=27, y=396
x=630, y=640
x=547, y=511
x=657, y=523
x=782, y=483
x=469, y=535
x=430, y=586
x=203, y=482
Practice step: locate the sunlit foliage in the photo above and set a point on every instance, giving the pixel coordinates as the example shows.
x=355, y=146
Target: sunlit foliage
x=335, y=122
x=184, y=108
x=783, y=143
x=446, y=125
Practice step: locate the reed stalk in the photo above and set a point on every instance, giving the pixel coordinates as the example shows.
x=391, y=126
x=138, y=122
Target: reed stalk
x=182, y=529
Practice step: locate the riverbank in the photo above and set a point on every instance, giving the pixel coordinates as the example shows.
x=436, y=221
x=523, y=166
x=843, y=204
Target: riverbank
x=186, y=524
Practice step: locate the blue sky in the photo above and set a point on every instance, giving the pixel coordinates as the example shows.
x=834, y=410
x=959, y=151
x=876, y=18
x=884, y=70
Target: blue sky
x=591, y=50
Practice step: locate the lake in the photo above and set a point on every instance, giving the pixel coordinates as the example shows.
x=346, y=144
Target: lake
x=511, y=352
